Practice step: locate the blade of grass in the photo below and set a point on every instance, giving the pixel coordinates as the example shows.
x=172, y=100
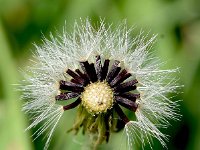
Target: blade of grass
x=13, y=121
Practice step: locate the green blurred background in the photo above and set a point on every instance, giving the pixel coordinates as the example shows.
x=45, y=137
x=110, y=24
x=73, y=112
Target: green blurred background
x=23, y=22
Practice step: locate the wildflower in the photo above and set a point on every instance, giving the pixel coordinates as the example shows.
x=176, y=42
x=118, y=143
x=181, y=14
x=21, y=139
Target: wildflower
x=106, y=73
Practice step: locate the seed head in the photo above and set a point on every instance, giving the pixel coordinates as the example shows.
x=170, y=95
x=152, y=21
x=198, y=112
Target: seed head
x=97, y=97
x=101, y=70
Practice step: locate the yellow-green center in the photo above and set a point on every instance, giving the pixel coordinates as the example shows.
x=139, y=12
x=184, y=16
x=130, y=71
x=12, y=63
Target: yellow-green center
x=97, y=97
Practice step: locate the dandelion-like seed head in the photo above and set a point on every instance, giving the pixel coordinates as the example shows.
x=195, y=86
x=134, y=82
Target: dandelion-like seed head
x=106, y=73
x=97, y=97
